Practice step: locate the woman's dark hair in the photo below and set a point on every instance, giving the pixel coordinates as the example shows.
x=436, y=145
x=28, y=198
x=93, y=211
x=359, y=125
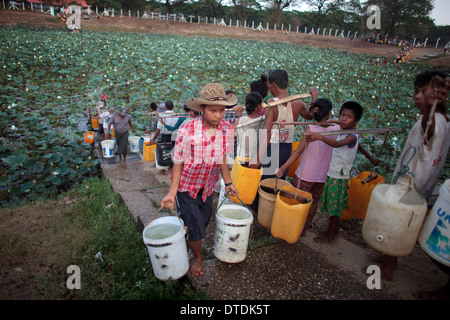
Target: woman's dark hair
x=153, y=106
x=252, y=100
x=320, y=108
x=185, y=106
x=260, y=86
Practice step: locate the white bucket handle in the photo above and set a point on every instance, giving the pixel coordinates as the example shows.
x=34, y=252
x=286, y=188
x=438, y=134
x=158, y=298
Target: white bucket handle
x=176, y=211
x=226, y=196
x=223, y=200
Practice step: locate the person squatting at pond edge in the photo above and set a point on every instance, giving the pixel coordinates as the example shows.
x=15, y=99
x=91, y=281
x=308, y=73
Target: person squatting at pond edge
x=199, y=156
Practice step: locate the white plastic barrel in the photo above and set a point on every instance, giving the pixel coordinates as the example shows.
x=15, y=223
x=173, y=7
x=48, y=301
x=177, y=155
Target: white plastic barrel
x=168, y=255
x=232, y=233
x=108, y=148
x=394, y=217
x=134, y=143
x=434, y=238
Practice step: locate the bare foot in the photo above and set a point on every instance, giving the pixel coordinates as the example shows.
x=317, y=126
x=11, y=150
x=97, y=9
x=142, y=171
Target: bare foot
x=197, y=268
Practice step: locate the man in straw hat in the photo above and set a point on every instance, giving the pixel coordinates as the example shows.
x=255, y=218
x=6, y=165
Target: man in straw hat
x=199, y=155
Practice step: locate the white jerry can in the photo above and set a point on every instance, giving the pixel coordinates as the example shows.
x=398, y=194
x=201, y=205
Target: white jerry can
x=394, y=217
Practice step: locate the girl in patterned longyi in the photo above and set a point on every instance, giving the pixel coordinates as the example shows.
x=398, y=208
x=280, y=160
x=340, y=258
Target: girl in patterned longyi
x=345, y=146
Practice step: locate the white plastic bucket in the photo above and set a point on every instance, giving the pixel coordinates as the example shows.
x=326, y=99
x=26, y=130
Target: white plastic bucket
x=134, y=143
x=435, y=234
x=232, y=233
x=108, y=148
x=169, y=256
x=222, y=199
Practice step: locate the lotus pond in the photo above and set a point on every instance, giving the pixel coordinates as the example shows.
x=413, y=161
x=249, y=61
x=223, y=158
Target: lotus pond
x=50, y=78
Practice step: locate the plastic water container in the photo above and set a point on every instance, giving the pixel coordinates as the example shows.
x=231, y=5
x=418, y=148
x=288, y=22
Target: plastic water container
x=134, y=144
x=266, y=203
x=149, y=152
x=108, y=148
x=94, y=123
x=142, y=140
x=167, y=248
x=246, y=180
x=293, y=167
x=434, y=238
x=289, y=216
x=89, y=137
x=359, y=193
x=232, y=233
x=163, y=153
x=394, y=217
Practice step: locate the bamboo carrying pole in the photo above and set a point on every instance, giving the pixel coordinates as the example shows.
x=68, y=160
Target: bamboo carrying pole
x=285, y=100
x=330, y=133
x=275, y=103
x=360, y=131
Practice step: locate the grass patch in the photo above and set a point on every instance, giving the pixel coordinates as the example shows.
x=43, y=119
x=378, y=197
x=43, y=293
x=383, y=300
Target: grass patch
x=46, y=238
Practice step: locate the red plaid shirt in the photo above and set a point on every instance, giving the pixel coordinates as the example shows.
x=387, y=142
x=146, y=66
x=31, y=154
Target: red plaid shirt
x=201, y=155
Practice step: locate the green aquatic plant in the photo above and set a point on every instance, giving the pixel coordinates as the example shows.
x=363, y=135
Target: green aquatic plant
x=50, y=78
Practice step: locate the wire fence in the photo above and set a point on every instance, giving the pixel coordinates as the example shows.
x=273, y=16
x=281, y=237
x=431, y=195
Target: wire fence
x=255, y=26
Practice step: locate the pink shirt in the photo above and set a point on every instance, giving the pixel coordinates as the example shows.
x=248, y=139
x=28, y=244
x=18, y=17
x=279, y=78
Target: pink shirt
x=317, y=156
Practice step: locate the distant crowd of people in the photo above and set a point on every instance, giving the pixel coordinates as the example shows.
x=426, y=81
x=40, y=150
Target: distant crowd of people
x=406, y=48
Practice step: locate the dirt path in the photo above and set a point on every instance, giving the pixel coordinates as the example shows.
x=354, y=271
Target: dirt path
x=133, y=24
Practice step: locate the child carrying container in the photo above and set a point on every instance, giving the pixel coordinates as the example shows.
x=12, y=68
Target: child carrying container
x=279, y=141
x=345, y=146
x=199, y=157
x=312, y=170
x=428, y=142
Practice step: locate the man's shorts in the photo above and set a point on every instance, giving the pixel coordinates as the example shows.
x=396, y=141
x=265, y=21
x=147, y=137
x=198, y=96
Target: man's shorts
x=195, y=214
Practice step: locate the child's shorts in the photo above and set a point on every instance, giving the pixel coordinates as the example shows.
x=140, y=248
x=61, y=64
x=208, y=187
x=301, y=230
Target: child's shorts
x=335, y=197
x=195, y=214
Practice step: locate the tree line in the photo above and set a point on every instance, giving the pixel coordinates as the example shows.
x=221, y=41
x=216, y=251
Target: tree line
x=405, y=19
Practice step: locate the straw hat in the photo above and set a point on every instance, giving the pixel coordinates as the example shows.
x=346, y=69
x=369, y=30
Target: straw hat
x=212, y=94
